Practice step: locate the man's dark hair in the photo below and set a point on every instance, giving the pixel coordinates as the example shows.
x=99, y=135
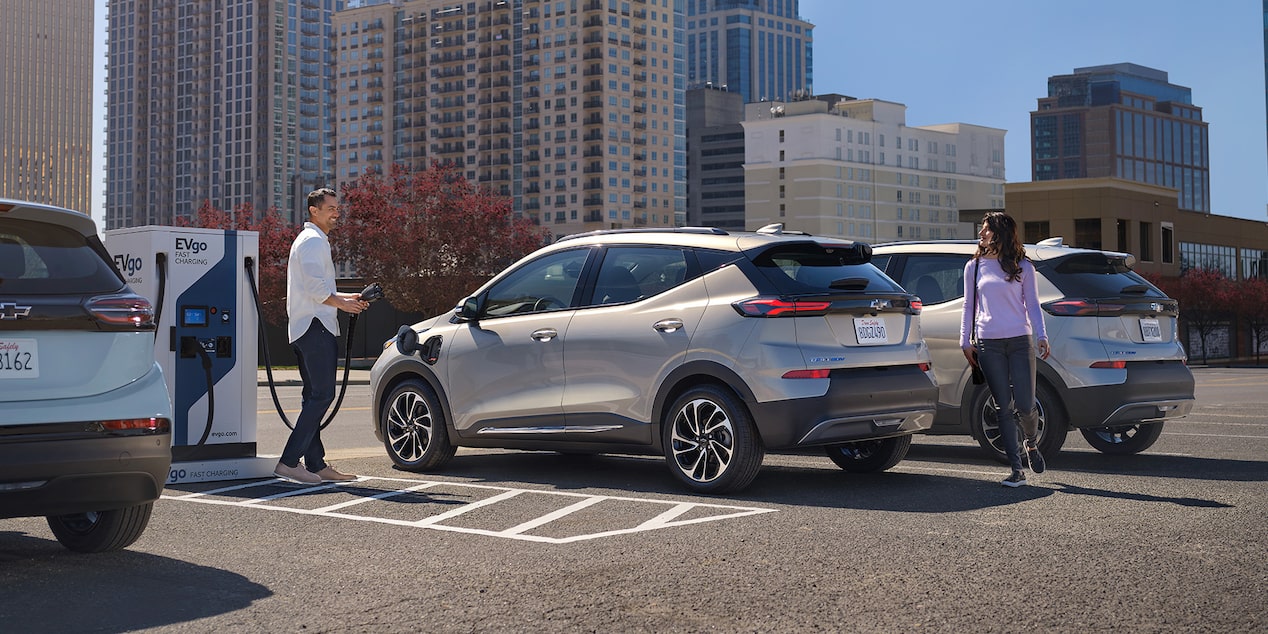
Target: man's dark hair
x=315, y=198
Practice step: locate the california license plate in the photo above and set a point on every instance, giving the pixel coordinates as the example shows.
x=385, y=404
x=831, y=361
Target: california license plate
x=19, y=359
x=870, y=331
x=1150, y=330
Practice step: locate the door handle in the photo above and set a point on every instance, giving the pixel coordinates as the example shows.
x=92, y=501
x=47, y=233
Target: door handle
x=545, y=334
x=668, y=325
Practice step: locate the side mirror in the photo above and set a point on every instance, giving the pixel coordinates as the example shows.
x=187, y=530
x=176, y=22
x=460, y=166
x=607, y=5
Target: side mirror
x=468, y=310
x=406, y=341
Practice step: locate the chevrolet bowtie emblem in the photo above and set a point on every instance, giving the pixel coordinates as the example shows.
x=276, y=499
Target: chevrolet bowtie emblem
x=11, y=311
x=880, y=304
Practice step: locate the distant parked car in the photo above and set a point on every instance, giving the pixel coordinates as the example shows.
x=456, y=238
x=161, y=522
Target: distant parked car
x=705, y=346
x=84, y=411
x=1117, y=371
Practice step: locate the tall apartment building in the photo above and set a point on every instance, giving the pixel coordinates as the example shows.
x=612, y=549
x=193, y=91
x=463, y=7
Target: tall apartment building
x=715, y=158
x=760, y=49
x=46, y=102
x=574, y=109
x=1126, y=121
x=838, y=166
x=229, y=102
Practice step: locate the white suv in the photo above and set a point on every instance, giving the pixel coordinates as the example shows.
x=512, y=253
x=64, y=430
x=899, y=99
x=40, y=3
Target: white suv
x=85, y=436
x=1117, y=369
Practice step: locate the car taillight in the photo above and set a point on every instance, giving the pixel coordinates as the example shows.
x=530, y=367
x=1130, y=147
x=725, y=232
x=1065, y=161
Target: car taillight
x=122, y=310
x=924, y=367
x=1082, y=308
x=132, y=424
x=821, y=373
x=773, y=307
x=916, y=306
x=1109, y=365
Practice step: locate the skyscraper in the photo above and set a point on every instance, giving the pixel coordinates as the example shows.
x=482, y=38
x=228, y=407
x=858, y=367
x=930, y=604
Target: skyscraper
x=1125, y=121
x=760, y=49
x=229, y=102
x=572, y=109
x=46, y=102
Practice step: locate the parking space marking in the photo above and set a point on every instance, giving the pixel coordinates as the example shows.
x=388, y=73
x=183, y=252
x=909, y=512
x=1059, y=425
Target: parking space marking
x=522, y=530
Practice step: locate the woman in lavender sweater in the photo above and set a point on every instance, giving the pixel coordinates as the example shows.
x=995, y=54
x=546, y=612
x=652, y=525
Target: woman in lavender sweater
x=998, y=332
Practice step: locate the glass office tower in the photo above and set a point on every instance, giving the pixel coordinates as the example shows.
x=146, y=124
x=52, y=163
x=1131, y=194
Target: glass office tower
x=760, y=49
x=1125, y=121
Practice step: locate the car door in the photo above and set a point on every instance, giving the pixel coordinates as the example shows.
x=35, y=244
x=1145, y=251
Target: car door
x=505, y=370
x=938, y=279
x=634, y=328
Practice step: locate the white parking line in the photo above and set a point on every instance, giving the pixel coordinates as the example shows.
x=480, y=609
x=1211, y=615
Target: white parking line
x=523, y=530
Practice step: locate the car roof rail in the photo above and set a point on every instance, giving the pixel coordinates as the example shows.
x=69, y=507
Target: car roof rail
x=608, y=232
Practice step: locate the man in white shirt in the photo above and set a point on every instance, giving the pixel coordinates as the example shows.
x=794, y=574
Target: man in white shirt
x=312, y=305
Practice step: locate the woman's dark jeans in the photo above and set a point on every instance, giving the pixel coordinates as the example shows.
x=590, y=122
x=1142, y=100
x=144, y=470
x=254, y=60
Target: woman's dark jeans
x=1009, y=367
x=318, y=356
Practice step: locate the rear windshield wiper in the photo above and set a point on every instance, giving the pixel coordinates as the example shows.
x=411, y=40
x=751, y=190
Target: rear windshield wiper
x=1135, y=289
x=850, y=284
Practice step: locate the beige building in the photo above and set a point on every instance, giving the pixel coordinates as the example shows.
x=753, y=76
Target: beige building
x=838, y=166
x=571, y=109
x=1142, y=219
x=46, y=102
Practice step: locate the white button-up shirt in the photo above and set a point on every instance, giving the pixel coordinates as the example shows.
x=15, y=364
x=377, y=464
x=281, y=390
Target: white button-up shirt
x=310, y=280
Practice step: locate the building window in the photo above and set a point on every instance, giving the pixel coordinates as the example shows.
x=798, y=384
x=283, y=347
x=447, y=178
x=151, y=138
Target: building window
x=1087, y=233
x=1122, y=235
x=1146, y=242
x=1168, y=250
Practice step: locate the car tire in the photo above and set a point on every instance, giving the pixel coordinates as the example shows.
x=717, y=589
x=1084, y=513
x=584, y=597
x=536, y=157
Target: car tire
x=101, y=531
x=414, y=431
x=1122, y=440
x=1052, y=422
x=711, y=445
x=867, y=456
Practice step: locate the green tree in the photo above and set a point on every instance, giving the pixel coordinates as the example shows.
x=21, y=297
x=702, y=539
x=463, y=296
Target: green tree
x=429, y=237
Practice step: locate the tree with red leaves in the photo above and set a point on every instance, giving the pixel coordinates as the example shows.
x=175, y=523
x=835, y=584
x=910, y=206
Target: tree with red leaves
x=1251, y=299
x=276, y=236
x=1206, y=300
x=429, y=237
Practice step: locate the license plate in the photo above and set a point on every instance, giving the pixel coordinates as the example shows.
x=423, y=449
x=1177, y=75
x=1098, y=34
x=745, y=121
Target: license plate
x=19, y=359
x=870, y=331
x=1150, y=330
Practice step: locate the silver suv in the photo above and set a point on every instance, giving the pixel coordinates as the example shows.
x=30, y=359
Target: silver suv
x=85, y=420
x=1116, y=372
x=705, y=346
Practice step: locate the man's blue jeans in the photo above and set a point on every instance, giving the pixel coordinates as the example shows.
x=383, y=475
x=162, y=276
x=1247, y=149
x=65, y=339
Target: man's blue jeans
x=1009, y=368
x=318, y=356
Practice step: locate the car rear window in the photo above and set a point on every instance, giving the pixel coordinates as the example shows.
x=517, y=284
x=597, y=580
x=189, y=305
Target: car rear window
x=38, y=258
x=814, y=268
x=1096, y=275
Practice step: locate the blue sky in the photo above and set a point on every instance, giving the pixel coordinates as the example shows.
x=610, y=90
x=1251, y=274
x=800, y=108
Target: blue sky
x=987, y=62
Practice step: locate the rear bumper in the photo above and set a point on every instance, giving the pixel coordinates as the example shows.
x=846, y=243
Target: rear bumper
x=1153, y=391
x=62, y=476
x=860, y=404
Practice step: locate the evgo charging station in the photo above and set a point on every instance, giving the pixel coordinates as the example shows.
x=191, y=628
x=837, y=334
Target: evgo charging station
x=206, y=342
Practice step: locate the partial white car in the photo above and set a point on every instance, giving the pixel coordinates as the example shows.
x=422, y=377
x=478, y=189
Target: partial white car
x=85, y=418
x=1117, y=371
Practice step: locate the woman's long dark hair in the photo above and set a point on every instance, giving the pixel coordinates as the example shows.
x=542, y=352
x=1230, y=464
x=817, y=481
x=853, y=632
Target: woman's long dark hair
x=1004, y=244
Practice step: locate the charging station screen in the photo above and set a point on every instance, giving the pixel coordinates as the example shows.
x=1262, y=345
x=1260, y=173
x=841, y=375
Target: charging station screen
x=194, y=316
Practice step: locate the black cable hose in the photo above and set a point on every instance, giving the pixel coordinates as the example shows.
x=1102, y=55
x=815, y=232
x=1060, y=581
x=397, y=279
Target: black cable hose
x=268, y=364
x=160, y=262
x=211, y=392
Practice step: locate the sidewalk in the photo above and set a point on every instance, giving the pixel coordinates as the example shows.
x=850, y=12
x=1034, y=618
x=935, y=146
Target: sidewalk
x=291, y=377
